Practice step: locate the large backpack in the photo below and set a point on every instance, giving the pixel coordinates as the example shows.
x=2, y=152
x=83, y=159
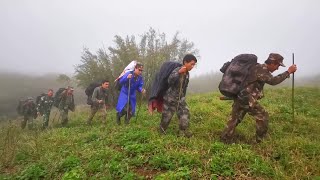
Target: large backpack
x=129, y=67
x=89, y=91
x=57, y=97
x=235, y=74
x=160, y=85
x=26, y=106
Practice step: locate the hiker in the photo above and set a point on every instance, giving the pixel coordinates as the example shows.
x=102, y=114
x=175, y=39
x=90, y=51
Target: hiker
x=44, y=106
x=29, y=112
x=174, y=99
x=130, y=82
x=66, y=103
x=246, y=100
x=160, y=86
x=99, y=101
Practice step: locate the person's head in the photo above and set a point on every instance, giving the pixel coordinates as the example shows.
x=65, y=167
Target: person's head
x=189, y=61
x=274, y=61
x=105, y=84
x=50, y=92
x=70, y=90
x=138, y=69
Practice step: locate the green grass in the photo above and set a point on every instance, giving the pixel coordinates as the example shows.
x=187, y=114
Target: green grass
x=137, y=151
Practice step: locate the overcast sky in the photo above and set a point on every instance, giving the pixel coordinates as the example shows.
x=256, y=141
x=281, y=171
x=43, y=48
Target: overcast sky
x=44, y=36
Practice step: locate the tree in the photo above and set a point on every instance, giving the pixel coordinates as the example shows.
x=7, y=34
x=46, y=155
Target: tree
x=64, y=79
x=152, y=50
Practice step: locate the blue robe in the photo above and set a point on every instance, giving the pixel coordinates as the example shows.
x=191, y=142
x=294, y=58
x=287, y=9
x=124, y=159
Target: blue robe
x=135, y=85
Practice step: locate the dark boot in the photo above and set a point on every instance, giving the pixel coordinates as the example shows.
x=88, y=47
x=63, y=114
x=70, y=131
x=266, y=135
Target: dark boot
x=118, y=118
x=185, y=133
x=260, y=137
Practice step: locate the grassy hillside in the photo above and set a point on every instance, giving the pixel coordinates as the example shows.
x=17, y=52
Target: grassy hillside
x=137, y=151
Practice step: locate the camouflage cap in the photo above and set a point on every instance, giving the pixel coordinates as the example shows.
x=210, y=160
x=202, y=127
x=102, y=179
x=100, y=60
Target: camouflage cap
x=276, y=57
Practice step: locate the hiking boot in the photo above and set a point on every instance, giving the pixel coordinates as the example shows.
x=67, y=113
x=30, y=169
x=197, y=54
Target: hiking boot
x=185, y=133
x=118, y=118
x=259, y=139
x=226, y=139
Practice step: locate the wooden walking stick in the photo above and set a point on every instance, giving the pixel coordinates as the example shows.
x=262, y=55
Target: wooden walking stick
x=292, y=89
x=182, y=77
x=128, y=103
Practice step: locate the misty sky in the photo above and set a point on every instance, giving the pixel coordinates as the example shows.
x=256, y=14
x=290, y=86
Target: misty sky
x=44, y=36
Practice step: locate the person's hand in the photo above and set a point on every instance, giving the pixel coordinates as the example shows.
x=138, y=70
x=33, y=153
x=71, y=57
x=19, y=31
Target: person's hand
x=143, y=91
x=292, y=69
x=39, y=114
x=183, y=70
x=100, y=101
x=129, y=76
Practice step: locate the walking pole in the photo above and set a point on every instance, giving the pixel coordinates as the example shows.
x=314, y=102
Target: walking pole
x=292, y=89
x=128, y=103
x=55, y=115
x=180, y=90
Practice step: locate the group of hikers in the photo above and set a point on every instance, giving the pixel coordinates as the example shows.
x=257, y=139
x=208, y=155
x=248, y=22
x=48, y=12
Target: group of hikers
x=30, y=109
x=242, y=82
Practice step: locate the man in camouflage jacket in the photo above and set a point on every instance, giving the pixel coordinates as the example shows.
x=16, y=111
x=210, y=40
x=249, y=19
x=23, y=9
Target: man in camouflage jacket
x=44, y=107
x=174, y=98
x=66, y=103
x=247, y=99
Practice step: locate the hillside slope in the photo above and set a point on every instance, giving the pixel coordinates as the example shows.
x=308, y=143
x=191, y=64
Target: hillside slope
x=137, y=151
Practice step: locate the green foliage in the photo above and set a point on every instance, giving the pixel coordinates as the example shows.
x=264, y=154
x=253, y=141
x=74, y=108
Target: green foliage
x=152, y=50
x=69, y=163
x=180, y=173
x=74, y=174
x=35, y=171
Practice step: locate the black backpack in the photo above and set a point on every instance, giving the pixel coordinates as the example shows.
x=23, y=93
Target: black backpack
x=117, y=85
x=235, y=74
x=89, y=91
x=57, y=97
x=160, y=83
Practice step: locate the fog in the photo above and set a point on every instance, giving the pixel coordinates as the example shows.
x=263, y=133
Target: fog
x=42, y=36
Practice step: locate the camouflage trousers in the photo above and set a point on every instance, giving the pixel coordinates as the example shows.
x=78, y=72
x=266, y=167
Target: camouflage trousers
x=64, y=116
x=46, y=117
x=27, y=119
x=94, y=110
x=239, y=110
x=170, y=106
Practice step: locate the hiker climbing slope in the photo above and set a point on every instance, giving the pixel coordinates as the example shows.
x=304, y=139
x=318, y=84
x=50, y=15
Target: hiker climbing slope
x=246, y=101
